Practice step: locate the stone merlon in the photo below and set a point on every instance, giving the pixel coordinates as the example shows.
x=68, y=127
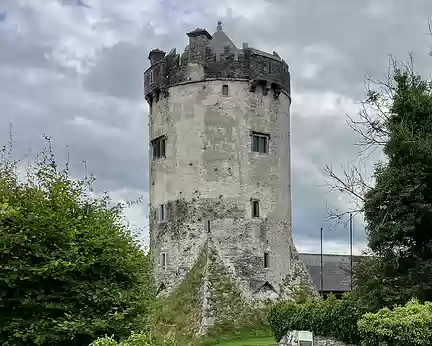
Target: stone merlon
x=220, y=59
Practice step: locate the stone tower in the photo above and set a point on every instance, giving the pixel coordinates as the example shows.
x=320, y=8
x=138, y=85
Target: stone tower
x=220, y=178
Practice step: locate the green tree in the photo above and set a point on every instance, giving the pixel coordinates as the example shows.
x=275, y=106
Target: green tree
x=398, y=209
x=397, y=116
x=70, y=270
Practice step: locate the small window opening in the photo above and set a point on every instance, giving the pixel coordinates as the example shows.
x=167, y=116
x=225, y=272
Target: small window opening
x=162, y=213
x=163, y=262
x=260, y=143
x=266, y=259
x=269, y=67
x=225, y=90
x=207, y=225
x=159, y=146
x=255, y=209
x=151, y=76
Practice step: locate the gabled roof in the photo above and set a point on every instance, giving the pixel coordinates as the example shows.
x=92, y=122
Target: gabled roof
x=221, y=40
x=336, y=271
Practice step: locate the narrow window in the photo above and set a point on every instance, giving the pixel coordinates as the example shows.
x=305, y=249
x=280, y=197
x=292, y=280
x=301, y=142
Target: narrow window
x=266, y=259
x=269, y=67
x=163, y=260
x=260, y=143
x=255, y=209
x=151, y=76
x=207, y=225
x=225, y=90
x=159, y=146
x=162, y=213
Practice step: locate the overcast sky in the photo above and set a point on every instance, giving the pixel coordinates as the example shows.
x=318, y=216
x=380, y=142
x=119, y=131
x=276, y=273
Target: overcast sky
x=73, y=69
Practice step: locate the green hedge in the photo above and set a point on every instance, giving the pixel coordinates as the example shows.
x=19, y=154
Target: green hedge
x=137, y=339
x=330, y=317
x=410, y=325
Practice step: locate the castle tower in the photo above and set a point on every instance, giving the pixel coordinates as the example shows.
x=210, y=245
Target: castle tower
x=220, y=165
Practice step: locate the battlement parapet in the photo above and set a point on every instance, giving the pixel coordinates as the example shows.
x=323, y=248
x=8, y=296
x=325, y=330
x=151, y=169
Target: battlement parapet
x=217, y=61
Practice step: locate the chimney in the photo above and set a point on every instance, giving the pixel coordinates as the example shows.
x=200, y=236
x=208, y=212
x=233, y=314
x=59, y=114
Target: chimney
x=155, y=56
x=198, y=41
x=245, y=45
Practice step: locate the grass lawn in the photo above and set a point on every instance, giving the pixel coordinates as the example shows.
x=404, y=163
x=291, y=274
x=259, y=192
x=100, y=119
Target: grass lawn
x=250, y=342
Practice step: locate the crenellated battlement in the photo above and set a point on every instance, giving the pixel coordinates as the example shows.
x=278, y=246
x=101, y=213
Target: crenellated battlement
x=218, y=58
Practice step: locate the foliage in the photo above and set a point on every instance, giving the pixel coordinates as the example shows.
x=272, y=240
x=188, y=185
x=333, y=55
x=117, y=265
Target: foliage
x=409, y=325
x=180, y=311
x=139, y=339
x=70, y=270
x=396, y=117
x=330, y=318
x=398, y=209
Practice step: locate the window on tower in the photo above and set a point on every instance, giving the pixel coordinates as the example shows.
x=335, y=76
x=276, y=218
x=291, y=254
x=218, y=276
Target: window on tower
x=207, y=225
x=158, y=147
x=163, y=260
x=225, y=90
x=266, y=260
x=260, y=143
x=162, y=213
x=255, y=208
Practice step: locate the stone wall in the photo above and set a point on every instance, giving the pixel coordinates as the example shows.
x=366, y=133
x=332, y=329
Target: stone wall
x=211, y=173
x=247, y=63
x=318, y=341
x=204, y=177
x=323, y=341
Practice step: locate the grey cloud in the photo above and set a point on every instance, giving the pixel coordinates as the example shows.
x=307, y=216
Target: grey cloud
x=100, y=114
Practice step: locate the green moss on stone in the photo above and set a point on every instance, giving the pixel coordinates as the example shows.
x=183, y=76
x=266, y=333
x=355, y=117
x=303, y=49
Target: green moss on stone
x=180, y=312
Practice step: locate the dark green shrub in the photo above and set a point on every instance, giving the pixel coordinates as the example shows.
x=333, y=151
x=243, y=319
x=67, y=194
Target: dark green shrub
x=70, y=270
x=330, y=317
x=141, y=339
x=410, y=325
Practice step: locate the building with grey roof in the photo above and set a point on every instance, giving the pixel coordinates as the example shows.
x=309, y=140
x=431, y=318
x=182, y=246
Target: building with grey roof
x=336, y=272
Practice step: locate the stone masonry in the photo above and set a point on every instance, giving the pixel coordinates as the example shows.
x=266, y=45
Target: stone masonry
x=220, y=165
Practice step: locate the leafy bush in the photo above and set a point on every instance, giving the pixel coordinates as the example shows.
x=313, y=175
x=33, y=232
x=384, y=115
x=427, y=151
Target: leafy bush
x=330, y=317
x=409, y=325
x=70, y=270
x=141, y=339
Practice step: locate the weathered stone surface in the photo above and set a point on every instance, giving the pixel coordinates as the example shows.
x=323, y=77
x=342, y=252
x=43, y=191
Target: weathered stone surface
x=209, y=176
x=323, y=341
x=318, y=341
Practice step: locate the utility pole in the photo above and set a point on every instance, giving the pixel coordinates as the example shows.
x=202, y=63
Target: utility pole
x=321, y=265
x=351, y=249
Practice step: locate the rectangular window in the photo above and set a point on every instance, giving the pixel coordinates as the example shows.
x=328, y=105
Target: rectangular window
x=255, y=209
x=159, y=146
x=225, y=90
x=266, y=259
x=163, y=260
x=151, y=77
x=269, y=67
x=260, y=143
x=207, y=225
x=162, y=213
